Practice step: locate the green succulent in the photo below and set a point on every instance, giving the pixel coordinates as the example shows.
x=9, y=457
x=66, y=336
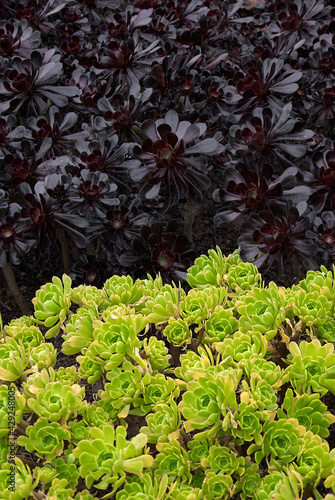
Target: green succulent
x=116, y=338
x=172, y=460
x=178, y=332
x=163, y=424
x=320, y=281
x=107, y=457
x=16, y=405
x=83, y=295
x=217, y=486
x=243, y=277
x=282, y=441
x=325, y=332
x=164, y=305
x=198, y=450
x=311, y=367
x=154, y=389
x=95, y=416
x=144, y=488
x=60, y=468
x=17, y=324
x=16, y=481
x=3, y=451
x=184, y=492
x=42, y=356
x=280, y=486
x=220, y=324
x=309, y=411
x=13, y=360
x=156, y=353
x=244, y=424
x=28, y=336
x=84, y=495
x=192, y=364
x=79, y=431
x=45, y=438
x=79, y=330
x=249, y=482
x=259, y=392
x=59, y=490
x=39, y=380
x=123, y=290
x=58, y=401
x=267, y=370
x=206, y=400
x=199, y=304
x=52, y=304
x=222, y=459
x=262, y=310
x=312, y=308
x=243, y=346
x=315, y=461
x=90, y=367
x=211, y=270
x=124, y=387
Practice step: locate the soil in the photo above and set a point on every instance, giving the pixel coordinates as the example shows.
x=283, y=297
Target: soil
x=206, y=236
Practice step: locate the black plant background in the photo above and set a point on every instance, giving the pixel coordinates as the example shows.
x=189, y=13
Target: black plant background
x=117, y=118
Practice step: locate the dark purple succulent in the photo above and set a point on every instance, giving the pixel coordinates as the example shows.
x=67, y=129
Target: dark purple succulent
x=168, y=158
x=324, y=229
x=261, y=83
x=120, y=226
x=30, y=83
x=322, y=180
x=88, y=270
x=246, y=189
x=271, y=135
x=281, y=231
x=16, y=238
x=103, y=155
x=160, y=250
x=11, y=134
x=59, y=128
x=128, y=58
x=45, y=216
x=18, y=39
x=91, y=195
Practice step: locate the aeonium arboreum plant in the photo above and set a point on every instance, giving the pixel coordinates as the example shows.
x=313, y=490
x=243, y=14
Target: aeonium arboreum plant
x=169, y=160
x=52, y=304
x=106, y=457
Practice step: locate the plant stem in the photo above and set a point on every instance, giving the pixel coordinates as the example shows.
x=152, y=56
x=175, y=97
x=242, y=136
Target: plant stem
x=189, y=216
x=14, y=289
x=65, y=251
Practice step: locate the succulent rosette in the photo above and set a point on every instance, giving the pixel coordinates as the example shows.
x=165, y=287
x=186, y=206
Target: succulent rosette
x=45, y=438
x=282, y=440
x=212, y=269
x=221, y=324
x=58, y=402
x=42, y=356
x=144, y=488
x=79, y=329
x=198, y=304
x=23, y=479
x=177, y=332
x=262, y=310
x=106, y=457
x=13, y=360
x=172, y=460
x=312, y=308
x=156, y=353
x=163, y=424
x=168, y=158
x=52, y=304
x=311, y=367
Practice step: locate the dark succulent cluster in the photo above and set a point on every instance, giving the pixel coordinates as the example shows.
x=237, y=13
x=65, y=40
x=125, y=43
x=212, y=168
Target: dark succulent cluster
x=116, y=116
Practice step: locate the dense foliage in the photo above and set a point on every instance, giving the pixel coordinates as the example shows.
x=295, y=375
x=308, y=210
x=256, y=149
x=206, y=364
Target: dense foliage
x=215, y=394
x=118, y=115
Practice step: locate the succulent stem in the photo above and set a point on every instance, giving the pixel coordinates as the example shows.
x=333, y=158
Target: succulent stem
x=14, y=289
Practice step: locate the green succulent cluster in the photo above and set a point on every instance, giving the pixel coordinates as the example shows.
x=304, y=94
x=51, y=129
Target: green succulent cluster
x=211, y=394
x=52, y=304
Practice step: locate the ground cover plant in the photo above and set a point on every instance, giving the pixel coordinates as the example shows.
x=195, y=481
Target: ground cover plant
x=117, y=117
x=215, y=393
